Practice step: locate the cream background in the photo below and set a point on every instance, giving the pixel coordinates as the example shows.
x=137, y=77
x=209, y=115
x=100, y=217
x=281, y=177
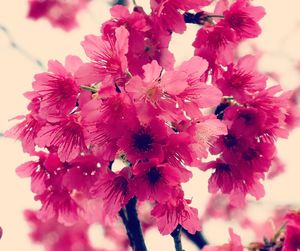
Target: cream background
x=280, y=41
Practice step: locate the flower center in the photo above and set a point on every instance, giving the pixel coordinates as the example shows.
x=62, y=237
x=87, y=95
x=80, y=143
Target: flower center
x=121, y=184
x=224, y=167
x=142, y=140
x=230, y=141
x=153, y=175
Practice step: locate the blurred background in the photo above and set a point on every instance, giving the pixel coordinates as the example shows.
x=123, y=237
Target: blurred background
x=279, y=43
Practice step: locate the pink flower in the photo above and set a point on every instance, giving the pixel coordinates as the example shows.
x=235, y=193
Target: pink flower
x=57, y=89
x=82, y=173
x=142, y=142
x=242, y=80
x=39, y=171
x=233, y=245
x=59, y=13
x=57, y=237
x=57, y=203
x=167, y=12
x=66, y=135
x=205, y=133
x=147, y=41
x=215, y=44
x=157, y=179
x=108, y=58
x=115, y=189
x=26, y=131
x=176, y=211
x=242, y=17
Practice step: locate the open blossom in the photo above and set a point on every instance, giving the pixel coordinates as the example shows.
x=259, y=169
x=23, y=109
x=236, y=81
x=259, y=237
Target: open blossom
x=57, y=89
x=60, y=13
x=144, y=141
x=108, y=58
x=157, y=179
x=242, y=80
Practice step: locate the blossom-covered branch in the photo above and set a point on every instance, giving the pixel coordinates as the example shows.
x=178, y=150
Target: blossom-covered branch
x=126, y=129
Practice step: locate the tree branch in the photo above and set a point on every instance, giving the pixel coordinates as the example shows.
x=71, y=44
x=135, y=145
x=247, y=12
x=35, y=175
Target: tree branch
x=133, y=227
x=176, y=234
x=197, y=238
x=123, y=216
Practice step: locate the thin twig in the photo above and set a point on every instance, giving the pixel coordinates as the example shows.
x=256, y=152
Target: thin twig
x=22, y=51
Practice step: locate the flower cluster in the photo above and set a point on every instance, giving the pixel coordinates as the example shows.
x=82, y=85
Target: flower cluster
x=129, y=124
x=60, y=13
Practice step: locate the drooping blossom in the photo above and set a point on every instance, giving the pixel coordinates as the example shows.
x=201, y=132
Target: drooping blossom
x=115, y=189
x=176, y=211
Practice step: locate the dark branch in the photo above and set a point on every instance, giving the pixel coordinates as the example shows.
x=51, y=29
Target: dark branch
x=176, y=234
x=123, y=216
x=133, y=227
x=197, y=238
x=199, y=17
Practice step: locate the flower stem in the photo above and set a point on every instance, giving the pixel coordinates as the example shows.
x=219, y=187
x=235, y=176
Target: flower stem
x=88, y=88
x=197, y=238
x=176, y=234
x=133, y=226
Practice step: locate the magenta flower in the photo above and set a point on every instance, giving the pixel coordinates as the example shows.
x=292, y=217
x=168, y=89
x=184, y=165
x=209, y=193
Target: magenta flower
x=242, y=17
x=233, y=245
x=242, y=80
x=176, y=211
x=292, y=232
x=167, y=13
x=26, y=131
x=115, y=189
x=108, y=58
x=215, y=44
x=144, y=141
x=67, y=238
x=57, y=89
x=157, y=179
x=59, y=13
x=66, y=135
